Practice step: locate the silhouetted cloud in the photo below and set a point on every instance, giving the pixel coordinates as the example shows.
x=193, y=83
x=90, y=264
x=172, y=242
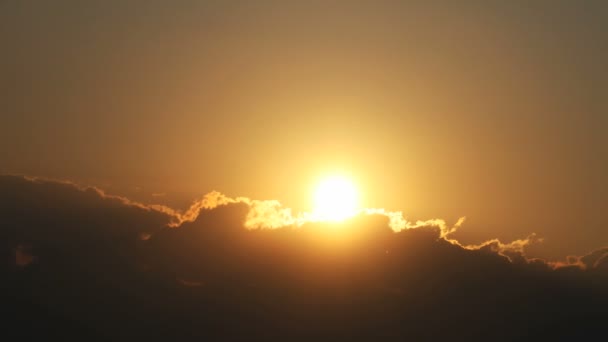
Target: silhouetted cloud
x=81, y=263
x=47, y=220
x=597, y=259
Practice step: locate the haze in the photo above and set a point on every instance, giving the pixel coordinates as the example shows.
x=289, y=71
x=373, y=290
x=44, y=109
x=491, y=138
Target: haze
x=492, y=110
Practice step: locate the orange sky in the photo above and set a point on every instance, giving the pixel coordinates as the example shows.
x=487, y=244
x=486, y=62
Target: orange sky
x=494, y=112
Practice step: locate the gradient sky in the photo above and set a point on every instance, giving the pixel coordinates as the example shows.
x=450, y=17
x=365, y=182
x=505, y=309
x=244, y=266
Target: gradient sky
x=494, y=110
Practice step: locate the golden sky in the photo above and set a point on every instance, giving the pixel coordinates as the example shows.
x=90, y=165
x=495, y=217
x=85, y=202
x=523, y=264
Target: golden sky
x=496, y=112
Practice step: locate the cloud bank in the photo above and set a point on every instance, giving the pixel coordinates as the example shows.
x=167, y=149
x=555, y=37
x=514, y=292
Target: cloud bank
x=79, y=263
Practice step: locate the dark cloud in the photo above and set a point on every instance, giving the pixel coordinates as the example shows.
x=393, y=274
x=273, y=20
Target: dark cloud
x=80, y=263
x=60, y=220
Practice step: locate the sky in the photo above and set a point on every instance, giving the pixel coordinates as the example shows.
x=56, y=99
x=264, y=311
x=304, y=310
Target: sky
x=492, y=110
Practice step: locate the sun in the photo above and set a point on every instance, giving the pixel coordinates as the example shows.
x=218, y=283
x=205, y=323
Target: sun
x=335, y=199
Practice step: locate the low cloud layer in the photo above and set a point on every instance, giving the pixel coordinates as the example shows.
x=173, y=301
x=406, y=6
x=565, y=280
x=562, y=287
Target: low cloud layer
x=81, y=263
x=270, y=214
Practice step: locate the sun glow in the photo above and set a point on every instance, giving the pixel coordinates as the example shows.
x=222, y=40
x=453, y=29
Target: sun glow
x=335, y=199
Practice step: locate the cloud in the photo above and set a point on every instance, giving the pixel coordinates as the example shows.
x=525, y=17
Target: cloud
x=597, y=259
x=514, y=250
x=48, y=221
x=80, y=262
x=270, y=214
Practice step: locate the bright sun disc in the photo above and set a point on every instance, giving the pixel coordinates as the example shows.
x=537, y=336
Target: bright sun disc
x=335, y=199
